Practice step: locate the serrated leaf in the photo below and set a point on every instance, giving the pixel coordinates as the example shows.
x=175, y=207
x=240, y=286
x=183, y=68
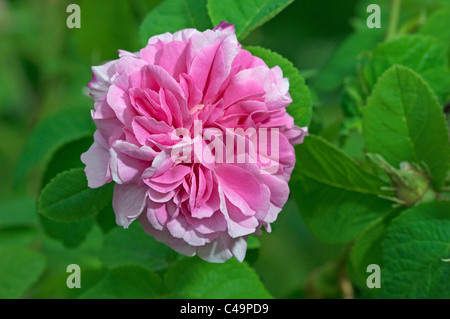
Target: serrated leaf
x=19, y=269
x=128, y=282
x=337, y=198
x=53, y=132
x=320, y=160
x=300, y=108
x=174, y=15
x=195, y=278
x=416, y=244
x=425, y=55
x=245, y=15
x=132, y=246
x=71, y=234
x=67, y=197
x=336, y=215
x=403, y=121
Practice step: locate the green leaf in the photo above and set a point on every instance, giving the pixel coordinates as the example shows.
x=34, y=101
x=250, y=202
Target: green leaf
x=19, y=237
x=416, y=244
x=106, y=219
x=129, y=282
x=195, y=278
x=66, y=157
x=346, y=57
x=320, y=160
x=366, y=249
x=403, y=121
x=141, y=8
x=336, y=215
x=337, y=198
x=53, y=283
x=245, y=15
x=174, y=15
x=53, y=132
x=253, y=242
x=20, y=211
x=67, y=198
x=300, y=108
x=323, y=282
x=90, y=277
x=19, y=269
x=187, y=278
x=132, y=246
x=438, y=25
x=425, y=55
x=281, y=258
x=70, y=234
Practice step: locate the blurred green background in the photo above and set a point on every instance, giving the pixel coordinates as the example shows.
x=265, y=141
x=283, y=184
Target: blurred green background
x=45, y=67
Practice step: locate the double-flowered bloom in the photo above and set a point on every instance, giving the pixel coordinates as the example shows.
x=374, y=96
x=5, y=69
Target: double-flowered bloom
x=143, y=101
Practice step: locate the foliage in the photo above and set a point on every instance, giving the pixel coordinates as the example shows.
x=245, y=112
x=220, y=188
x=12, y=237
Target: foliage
x=371, y=183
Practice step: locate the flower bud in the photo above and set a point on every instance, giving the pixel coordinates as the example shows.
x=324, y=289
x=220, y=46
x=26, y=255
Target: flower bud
x=410, y=182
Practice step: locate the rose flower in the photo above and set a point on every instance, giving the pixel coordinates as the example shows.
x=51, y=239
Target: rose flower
x=157, y=113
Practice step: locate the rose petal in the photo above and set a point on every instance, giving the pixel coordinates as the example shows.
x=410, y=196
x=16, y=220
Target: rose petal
x=128, y=202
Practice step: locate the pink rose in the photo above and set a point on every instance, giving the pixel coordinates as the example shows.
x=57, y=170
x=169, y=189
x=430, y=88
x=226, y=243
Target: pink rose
x=193, y=82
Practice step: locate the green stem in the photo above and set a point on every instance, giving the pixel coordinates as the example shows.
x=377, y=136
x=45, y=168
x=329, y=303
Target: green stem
x=393, y=18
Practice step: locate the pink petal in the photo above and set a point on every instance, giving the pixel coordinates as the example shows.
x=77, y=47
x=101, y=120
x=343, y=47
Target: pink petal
x=194, y=95
x=223, y=248
x=144, y=128
x=225, y=27
x=165, y=237
x=179, y=228
x=119, y=101
x=173, y=175
x=128, y=202
x=279, y=189
x=174, y=58
x=124, y=168
x=97, y=169
x=101, y=79
x=161, y=164
x=240, y=187
x=160, y=197
x=235, y=228
x=215, y=223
